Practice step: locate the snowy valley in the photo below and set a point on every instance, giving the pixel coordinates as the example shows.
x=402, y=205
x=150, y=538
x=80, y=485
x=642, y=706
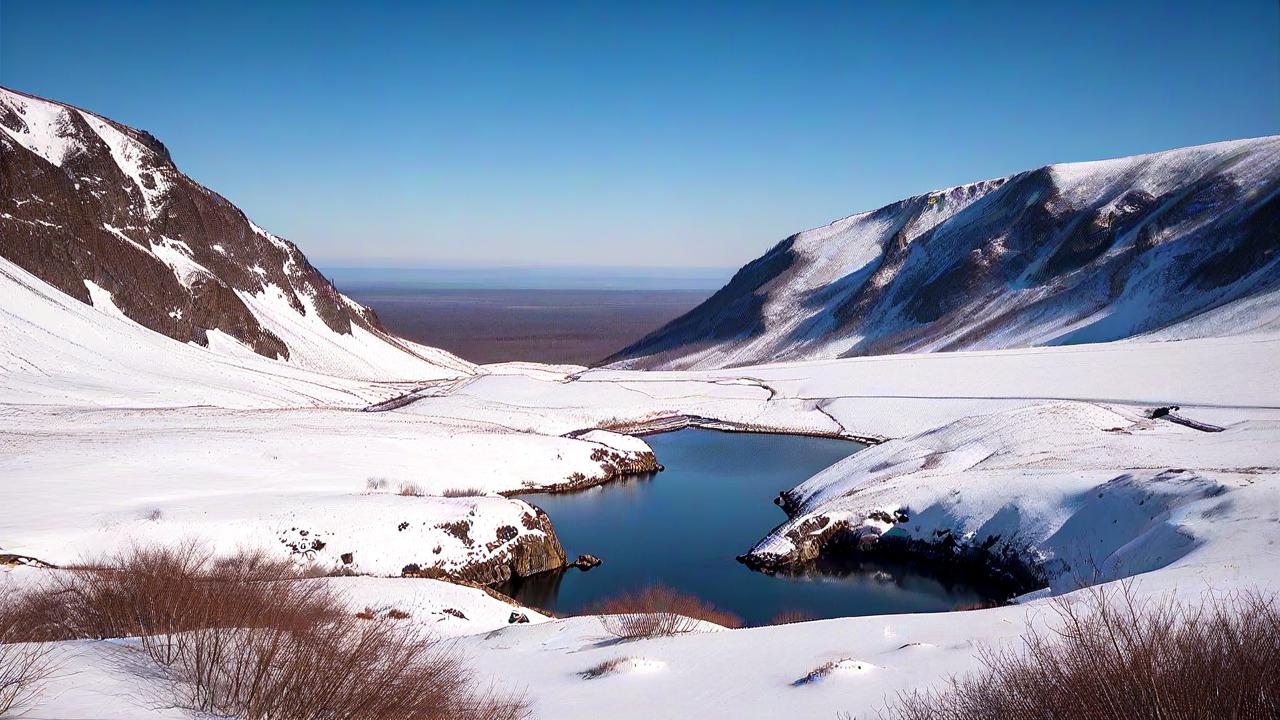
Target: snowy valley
x=1011, y=349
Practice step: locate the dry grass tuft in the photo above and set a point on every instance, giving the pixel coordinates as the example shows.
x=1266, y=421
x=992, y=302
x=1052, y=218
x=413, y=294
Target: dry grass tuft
x=1114, y=656
x=409, y=489
x=787, y=617
x=602, y=669
x=460, y=492
x=657, y=610
x=979, y=605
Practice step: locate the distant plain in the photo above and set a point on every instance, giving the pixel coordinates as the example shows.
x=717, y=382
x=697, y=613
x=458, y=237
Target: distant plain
x=488, y=325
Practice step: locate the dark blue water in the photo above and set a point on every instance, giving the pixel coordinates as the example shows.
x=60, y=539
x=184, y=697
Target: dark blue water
x=685, y=526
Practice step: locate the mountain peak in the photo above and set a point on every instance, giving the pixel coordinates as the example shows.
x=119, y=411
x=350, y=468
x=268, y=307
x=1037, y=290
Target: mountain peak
x=98, y=210
x=1063, y=254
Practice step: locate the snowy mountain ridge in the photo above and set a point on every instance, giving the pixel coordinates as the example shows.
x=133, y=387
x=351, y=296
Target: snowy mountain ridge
x=1071, y=253
x=99, y=211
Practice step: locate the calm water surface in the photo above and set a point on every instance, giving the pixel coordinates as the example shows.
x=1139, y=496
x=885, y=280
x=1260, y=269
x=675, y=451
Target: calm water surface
x=685, y=526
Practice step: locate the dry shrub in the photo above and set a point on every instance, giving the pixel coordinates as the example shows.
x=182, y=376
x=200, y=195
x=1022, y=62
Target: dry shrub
x=1114, y=656
x=658, y=610
x=157, y=594
x=340, y=668
x=375, y=483
x=410, y=490
x=460, y=492
x=244, y=637
x=25, y=665
x=787, y=617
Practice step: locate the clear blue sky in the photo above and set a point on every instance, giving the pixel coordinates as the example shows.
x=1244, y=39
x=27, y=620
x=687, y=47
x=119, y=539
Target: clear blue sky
x=609, y=134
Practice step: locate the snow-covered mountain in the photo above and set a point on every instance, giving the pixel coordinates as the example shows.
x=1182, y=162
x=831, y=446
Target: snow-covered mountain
x=1183, y=242
x=99, y=211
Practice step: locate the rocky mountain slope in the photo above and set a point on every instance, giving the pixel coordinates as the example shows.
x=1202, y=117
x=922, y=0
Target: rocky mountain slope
x=1183, y=242
x=100, y=211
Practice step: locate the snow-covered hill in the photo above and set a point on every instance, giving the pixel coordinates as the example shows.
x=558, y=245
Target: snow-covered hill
x=1183, y=242
x=99, y=211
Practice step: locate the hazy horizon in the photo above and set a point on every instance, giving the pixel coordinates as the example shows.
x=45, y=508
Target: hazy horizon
x=525, y=277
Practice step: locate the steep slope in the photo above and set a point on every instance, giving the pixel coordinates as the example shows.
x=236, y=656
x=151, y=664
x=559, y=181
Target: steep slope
x=1083, y=252
x=99, y=211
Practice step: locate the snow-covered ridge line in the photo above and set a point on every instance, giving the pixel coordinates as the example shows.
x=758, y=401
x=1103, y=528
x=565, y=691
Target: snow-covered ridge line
x=1065, y=254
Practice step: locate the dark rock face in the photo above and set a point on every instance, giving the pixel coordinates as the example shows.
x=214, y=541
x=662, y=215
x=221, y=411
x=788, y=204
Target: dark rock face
x=586, y=561
x=511, y=554
x=1004, y=568
x=84, y=199
x=1058, y=255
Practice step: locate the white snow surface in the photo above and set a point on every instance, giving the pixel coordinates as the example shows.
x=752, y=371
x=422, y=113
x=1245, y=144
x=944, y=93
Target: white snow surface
x=111, y=434
x=45, y=127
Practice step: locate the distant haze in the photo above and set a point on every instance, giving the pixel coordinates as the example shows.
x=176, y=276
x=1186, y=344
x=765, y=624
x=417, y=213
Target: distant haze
x=391, y=279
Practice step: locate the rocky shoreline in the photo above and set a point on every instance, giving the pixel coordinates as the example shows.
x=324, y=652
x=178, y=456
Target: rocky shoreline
x=1002, y=566
x=614, y=465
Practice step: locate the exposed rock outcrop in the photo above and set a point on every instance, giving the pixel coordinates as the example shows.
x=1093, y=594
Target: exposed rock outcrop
x=100, y=211
x=586, y=561
x=513, y=553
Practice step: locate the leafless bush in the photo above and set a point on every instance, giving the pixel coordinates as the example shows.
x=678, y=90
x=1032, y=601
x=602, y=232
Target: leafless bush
x=657, y=610
x=411, y=490
x=341, y=668
x=460, y=492
x=787, y=617
x=244, y=637
x=1119, y=657
x=25, y=665
x=375, y=483
x=159, y=594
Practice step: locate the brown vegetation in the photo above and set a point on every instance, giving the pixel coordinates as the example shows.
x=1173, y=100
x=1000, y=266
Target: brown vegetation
x=601, y=669
x=657, y=610
x=978, y=605
x=24, y=665
x=1115, y=656
x=787, y=617
x=460, y=492
x=245, y=637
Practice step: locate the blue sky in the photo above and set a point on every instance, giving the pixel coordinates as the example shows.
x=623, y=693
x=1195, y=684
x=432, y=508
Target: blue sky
x=653, y=134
